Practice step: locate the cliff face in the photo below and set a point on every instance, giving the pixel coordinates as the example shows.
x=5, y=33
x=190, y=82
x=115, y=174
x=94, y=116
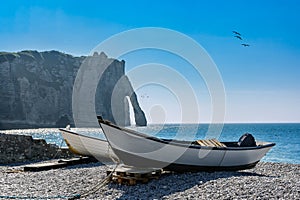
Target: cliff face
x=36, y=90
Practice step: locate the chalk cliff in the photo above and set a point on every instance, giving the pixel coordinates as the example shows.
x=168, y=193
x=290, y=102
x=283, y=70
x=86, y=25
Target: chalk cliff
x=36, y=89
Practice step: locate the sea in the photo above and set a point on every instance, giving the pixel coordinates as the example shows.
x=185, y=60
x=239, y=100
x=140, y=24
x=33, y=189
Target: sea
x=285, y=135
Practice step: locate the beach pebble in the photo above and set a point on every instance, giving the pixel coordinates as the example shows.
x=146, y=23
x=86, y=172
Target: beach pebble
x=265, y=181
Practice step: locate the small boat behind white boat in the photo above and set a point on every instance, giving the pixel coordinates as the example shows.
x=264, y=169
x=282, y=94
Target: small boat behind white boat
x=88, y=146
x=140, y=150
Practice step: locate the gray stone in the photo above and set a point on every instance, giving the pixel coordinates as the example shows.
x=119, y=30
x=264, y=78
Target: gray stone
x=22, y=148
x=36, y=89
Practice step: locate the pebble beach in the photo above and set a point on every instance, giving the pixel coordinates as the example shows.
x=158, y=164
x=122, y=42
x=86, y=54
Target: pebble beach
x=266, y=181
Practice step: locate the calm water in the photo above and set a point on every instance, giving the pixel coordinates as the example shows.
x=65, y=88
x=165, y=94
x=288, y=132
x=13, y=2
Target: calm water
x=286, y=136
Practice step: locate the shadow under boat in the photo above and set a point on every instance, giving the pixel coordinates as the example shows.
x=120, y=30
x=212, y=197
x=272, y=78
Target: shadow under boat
x=184, y=181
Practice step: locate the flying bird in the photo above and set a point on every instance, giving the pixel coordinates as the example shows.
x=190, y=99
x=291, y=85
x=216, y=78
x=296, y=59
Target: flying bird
x=246, y=45
x=239, y=37
x=237, y=33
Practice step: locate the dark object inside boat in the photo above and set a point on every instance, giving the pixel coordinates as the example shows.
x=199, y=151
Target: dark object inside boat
x=247, y=140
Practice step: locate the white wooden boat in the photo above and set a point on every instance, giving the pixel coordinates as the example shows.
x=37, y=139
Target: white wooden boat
x=88, y=146
x=140, y=150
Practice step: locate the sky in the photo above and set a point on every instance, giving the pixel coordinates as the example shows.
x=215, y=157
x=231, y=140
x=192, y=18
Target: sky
x=261, y=81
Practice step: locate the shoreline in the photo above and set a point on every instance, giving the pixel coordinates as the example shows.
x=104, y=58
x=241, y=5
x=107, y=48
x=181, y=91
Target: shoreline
x=285, y=137
x=266, y=180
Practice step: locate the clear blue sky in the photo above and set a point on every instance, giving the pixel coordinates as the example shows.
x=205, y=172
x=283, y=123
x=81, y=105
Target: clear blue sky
x=261, y=81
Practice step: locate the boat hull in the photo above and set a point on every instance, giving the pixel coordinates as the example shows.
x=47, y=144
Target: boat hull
x=88, y=146
x=140, y=150
x=141, y=162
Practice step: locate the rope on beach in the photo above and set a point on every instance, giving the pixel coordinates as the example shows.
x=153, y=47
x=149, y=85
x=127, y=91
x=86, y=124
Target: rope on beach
x=69, y=197
x=98, y=186
x=102, y=182
x=58, y=151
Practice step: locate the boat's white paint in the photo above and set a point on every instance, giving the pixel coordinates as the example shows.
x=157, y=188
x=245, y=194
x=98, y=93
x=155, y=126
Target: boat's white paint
x=242, y=157
x=141, y=149
x=88, y=146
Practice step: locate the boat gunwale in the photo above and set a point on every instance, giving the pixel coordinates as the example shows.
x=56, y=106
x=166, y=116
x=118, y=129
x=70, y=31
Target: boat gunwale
x=80, y=135
x=179, y=142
